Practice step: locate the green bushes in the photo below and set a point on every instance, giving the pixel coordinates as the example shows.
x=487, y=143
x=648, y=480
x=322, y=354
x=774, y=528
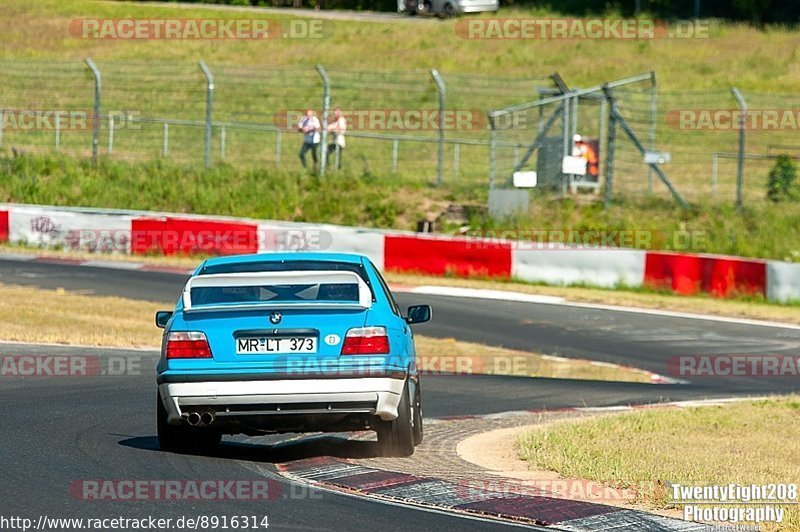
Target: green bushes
x=782, y=180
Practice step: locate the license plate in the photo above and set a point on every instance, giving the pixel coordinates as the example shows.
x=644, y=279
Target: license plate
x=301, y=344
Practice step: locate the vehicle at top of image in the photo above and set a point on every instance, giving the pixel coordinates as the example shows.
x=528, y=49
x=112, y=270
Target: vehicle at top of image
x=446, y=8
x=300, y=342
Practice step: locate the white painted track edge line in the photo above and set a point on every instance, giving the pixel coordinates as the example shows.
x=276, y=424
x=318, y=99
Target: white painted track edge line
x=514, y=298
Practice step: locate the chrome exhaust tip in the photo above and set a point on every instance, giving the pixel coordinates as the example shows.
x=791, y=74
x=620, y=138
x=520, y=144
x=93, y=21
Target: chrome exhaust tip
x=207, y=418
x=193, y=419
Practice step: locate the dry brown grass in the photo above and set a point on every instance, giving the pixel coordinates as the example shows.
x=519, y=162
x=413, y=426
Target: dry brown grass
x=57, y=316
x=450, y=355
x=753, y=442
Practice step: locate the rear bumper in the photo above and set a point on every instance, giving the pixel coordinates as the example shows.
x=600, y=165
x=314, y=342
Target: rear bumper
x=376, y=396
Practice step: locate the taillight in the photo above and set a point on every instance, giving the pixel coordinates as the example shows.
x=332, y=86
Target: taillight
x=366, y=341
x=187, y=345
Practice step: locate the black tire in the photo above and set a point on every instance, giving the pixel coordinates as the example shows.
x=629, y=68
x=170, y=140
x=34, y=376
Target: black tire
x=448, y=11
x=396, y=438
x=180, y=437
x=417, y=419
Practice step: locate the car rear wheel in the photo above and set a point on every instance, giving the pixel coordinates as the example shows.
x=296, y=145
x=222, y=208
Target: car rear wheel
x=448, y=11
x=396, y=438
x=180, y=437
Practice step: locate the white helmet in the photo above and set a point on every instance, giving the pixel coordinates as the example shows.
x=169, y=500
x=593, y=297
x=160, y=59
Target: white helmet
x=576, y=138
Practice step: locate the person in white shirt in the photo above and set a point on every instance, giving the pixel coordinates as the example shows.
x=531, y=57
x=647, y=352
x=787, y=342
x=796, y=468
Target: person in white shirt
x=337, y=128
x=310, y=127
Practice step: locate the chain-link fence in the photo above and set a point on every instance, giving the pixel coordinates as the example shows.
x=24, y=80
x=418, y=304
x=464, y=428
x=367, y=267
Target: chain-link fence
x=424, y=126
x=247, y=116
x=698, y=146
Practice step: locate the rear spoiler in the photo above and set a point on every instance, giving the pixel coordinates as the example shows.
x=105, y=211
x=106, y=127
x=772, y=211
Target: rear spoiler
x=278, y=279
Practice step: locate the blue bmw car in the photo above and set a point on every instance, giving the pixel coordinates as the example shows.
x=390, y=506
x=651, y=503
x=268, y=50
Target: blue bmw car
x=300, y=342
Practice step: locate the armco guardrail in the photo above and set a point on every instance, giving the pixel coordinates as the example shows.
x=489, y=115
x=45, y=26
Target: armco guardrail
x=142, y=232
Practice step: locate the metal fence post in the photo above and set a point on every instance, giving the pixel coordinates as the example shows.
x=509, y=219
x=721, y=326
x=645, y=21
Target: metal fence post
x=567, y=139
x=602, y=141
x=440, y=87
x=209, y=98
x=165, y=146
x=492, y=150
x=58, y=132
x=278, y=148
x=574, y=116
x=456, y=156
x=110, y=133
x=96, y=118
x=611, y=142
x=222, y=143
x=326, y=102
x=740, y=162
x=653, y=118
x=395, y=149
x=714, y=171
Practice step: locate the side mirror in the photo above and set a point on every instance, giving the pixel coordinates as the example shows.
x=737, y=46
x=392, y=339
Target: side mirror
x=162, y=317
x=419, y=314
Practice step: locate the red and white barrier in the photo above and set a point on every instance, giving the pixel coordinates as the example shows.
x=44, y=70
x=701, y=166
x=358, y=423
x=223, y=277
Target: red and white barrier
x=713, y=274
x=605, y=267
x=139, y=232
x=783, y=281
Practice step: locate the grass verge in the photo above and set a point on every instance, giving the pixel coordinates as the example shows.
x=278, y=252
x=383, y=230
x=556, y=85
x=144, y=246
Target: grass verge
x=752, y=442
x=82, y=319
x=764, y=59
x=762, y=230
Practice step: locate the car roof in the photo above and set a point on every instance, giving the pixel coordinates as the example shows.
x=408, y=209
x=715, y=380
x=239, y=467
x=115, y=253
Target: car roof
x=291, y=256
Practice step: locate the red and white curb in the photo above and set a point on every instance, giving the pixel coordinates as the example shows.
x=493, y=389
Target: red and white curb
x=343, y=476
x=142, y=232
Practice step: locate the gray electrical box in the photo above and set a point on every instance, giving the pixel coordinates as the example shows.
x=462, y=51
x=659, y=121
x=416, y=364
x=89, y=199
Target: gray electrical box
x=507, y=203
x=548, y=163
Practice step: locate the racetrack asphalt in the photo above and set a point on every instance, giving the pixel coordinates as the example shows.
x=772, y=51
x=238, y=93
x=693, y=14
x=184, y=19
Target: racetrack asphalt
x=60, y=430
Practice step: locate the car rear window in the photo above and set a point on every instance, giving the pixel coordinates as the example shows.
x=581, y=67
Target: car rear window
x=284, y=293
x=282, y=266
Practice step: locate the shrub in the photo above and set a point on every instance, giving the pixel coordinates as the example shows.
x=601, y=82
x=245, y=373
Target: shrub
x=781, y=183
